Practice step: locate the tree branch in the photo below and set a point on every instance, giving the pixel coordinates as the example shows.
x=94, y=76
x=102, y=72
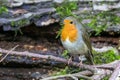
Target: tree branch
x=8, y=53
x=73, y=76
x=50, y=57
x=115, y=72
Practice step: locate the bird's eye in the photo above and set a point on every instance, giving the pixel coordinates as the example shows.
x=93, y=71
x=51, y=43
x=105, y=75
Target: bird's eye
x=71, y=22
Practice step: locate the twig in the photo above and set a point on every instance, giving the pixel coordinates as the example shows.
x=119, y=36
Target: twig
x=50, y=57
x=73, y=76
x=60, y=76
x=8, y=53
x=79, y=75
x=115, y=73
x=101, y=74
x=110, y=66
x=86, y=73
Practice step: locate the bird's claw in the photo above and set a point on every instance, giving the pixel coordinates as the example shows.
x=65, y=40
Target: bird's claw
x=69, y=60
x=80, y=63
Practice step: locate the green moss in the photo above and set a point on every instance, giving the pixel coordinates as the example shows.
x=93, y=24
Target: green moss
x=105, y=57
x=106, y=78
x=13, y=23
x=66, y=8
x=65, y=54
x=19, y=23
x=102, y=20
x=3, y=9
x=67, y=70
x=37, y=16
x=61, y=72
x=22, y=22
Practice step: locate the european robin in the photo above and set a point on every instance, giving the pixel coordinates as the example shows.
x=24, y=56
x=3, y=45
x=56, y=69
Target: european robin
x=75, y=39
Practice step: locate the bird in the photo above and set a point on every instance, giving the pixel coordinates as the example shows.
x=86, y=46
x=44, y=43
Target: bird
x=75, y=39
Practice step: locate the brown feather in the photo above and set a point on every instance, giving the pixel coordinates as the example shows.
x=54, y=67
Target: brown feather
x=86, y=39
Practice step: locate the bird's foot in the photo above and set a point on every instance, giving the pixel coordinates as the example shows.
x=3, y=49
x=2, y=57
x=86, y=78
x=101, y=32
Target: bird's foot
x=80, y=63
x=69, y=60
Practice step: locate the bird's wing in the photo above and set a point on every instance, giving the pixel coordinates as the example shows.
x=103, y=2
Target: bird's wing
x=86, y=39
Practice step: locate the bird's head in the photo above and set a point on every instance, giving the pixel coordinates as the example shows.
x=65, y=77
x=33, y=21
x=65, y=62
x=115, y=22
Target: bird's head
x=71, y=21
x=69, y=30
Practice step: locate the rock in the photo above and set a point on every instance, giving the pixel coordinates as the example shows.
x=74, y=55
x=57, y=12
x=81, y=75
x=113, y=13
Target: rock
x=36, y=75
x=39, y=12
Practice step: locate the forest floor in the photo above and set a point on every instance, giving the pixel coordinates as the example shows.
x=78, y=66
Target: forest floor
x=37, y=40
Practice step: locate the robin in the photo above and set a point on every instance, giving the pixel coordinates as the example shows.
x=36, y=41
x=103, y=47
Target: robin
x=75, y=39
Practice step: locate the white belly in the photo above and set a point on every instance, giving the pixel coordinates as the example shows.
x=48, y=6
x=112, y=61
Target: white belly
x=75, y=48
x=68, y=43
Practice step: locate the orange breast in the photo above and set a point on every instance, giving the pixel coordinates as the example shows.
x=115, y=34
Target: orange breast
x=69, y=31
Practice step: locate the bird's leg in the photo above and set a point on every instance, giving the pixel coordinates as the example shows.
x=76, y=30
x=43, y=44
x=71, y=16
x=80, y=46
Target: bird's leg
x=70, y=60
x=80, y=63
x=81, y=58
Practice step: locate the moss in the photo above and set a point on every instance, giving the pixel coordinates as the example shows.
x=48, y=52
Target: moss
x=105, y=57
x=3, y=9
x=65, y=54
x=13, y=23
x=100, y=21
x=67, y=70
x=19, y=23
x=106, y=78
x=66, y=8
x=37, y=16
x=22, y=22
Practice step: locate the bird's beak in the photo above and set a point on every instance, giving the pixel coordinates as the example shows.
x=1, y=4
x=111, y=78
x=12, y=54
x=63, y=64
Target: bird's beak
x=66, y=21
